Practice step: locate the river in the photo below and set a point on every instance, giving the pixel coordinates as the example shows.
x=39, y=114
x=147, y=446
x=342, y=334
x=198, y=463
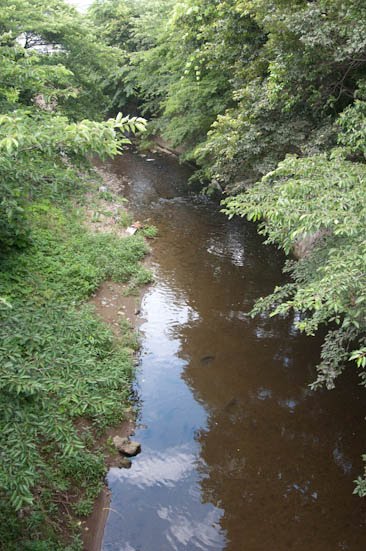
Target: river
x=238, y=453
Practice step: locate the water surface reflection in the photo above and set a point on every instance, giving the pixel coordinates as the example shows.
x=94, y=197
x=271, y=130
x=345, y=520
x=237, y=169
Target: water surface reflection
x=238, y=453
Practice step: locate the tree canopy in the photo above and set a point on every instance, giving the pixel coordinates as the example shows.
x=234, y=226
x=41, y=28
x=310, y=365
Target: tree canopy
x=266, y=97
x=53, y=76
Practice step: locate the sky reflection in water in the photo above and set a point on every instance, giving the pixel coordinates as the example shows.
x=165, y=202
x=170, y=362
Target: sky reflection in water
x=237, y=452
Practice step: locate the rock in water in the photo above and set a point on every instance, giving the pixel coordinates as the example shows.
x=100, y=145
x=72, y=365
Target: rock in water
x=207, y=359
x=132, y=448
x=126, y=446
x=124, y=463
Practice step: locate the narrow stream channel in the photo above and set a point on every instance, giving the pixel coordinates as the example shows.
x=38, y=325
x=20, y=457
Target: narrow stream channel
x=237, y=453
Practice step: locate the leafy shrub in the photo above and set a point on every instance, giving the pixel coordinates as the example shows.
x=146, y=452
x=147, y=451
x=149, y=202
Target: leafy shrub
x=58, y=362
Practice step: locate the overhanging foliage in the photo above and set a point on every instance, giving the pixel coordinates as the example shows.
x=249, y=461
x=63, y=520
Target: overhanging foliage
x=273, y=92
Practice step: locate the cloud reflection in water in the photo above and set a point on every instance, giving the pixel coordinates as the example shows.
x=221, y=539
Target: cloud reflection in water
x=157, y=469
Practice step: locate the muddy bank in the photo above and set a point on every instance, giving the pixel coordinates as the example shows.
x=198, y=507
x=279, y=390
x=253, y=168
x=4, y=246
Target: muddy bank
x=114, y=305
x=93, y=527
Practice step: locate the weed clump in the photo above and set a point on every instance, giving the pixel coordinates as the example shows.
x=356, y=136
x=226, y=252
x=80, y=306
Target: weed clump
x=58, y=364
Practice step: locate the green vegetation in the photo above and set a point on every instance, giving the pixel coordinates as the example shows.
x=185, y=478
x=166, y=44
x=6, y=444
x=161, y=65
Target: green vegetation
x=64, y=378
x=150, y=232
x=59, y=364
x=269, y=99
x=47, y=87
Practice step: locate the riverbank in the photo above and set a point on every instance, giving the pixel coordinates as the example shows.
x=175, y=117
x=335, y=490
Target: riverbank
x=80, y=366
x=115, y=306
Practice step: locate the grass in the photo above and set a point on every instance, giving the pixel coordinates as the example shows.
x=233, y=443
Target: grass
x=150, y=232
x=58, y=364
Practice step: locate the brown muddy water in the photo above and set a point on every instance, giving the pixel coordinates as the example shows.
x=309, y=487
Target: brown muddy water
x=237, y=453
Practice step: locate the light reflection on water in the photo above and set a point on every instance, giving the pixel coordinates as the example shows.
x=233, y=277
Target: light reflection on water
x=237, y=452
x=166, y=475
x=157, y=469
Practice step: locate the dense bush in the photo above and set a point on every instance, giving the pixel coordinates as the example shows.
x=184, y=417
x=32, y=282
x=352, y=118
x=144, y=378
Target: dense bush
x=57, y=362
